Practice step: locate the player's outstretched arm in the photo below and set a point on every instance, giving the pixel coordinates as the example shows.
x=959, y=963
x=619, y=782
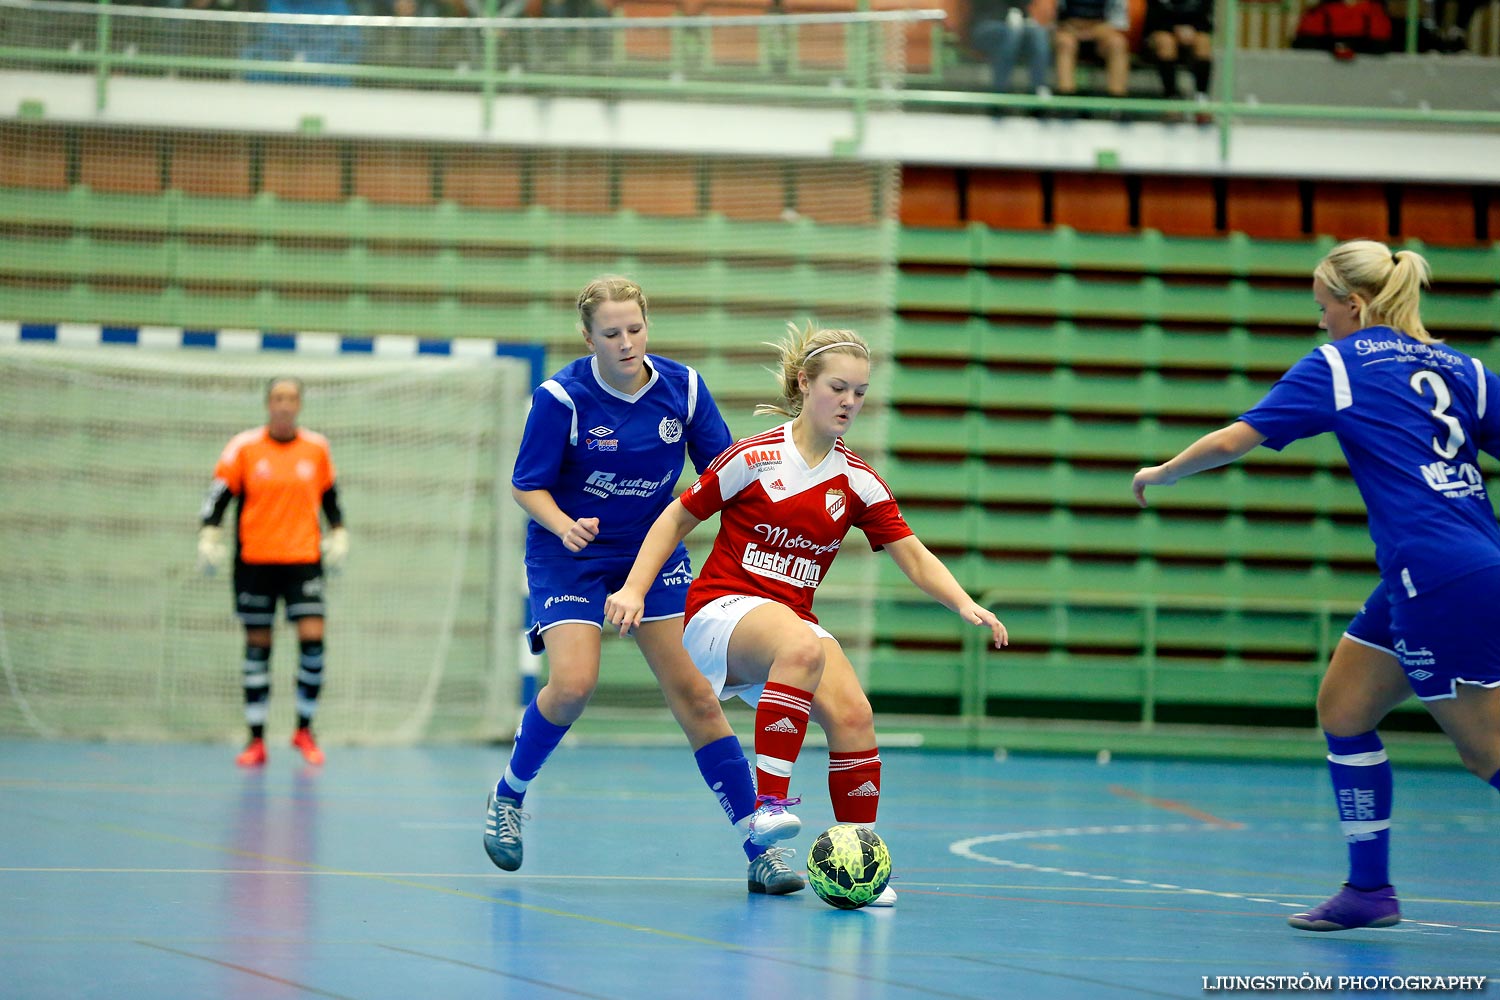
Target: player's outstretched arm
x=543, y=509
x=1212, y=450
x=935, y=580
x=625, y=606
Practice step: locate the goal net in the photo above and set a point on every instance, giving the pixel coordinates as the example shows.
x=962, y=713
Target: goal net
x=108, y=630
x=454, y=177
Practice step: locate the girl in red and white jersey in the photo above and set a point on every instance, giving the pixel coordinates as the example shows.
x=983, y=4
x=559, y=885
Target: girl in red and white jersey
x=786, y=499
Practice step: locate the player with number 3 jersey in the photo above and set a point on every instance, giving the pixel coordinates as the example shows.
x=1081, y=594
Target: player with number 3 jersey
x=1412, y=415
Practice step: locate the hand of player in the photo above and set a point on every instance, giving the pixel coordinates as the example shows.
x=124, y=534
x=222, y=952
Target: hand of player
x=335, y=550
x=982, y=616
x=624, y=608
x=580, y=533
x=1152, y=475
x=213, y=554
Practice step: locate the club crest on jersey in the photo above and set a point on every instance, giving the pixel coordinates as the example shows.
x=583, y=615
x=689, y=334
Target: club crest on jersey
x=670, y=430
x=834, y=501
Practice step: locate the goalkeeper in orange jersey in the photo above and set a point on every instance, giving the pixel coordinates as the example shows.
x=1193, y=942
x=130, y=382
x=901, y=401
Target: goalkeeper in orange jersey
x=281, y=475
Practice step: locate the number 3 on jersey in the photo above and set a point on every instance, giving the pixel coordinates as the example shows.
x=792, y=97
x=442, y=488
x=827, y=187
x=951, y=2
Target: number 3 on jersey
x=1441, y=400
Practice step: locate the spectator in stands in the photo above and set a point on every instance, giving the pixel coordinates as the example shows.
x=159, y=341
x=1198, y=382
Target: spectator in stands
x=212, y=39
x=1005, y=30
x=1103, y=24
x=401, y=46
x=595, y=40
x=1180, y=35
x=1345, y=28
x=321, y=44
x=1412, y=415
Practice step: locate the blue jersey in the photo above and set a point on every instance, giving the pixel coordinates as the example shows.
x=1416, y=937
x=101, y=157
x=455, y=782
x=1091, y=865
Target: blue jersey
x=1411, y=419
x=602, y=453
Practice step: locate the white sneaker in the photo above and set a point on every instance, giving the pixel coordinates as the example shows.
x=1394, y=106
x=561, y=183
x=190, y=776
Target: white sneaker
x=771, y=822
x=887, y=897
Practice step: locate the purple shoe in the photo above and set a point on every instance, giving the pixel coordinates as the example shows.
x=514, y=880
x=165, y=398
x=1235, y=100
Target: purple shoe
x=1351, y=908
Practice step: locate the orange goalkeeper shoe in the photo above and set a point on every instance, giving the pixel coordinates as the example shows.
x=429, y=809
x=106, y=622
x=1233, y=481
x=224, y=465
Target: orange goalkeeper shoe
x=254, y=754
x=303, y=740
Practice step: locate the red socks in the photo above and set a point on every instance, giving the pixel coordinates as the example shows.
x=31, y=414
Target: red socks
x=780, y=728
x=854, y=785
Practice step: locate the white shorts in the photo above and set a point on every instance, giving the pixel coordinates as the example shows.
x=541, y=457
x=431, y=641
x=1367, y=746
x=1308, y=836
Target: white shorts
x=706, y=639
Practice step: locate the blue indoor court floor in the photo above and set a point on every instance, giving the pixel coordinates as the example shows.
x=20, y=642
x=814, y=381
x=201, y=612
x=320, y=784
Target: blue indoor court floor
x=163, y=871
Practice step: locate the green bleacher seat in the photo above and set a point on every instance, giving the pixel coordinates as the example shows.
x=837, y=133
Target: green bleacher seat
x=1232, y=682
x=936, y=434
x=943, y=527
x=957, y=292
x=958, y=339
x=943, y=478
x=916, y=245
x=922, y=672
x=1072, y=675
x=923, y=386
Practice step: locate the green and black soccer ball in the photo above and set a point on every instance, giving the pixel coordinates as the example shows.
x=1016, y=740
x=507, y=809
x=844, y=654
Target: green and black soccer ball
x=848, y=866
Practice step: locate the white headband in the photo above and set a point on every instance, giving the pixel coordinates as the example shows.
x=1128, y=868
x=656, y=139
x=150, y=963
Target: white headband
x=829, y=347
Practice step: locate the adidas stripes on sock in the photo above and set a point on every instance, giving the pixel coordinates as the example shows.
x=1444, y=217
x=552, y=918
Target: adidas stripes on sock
x=854, y=786
x=1363, y=788
x=780, y=727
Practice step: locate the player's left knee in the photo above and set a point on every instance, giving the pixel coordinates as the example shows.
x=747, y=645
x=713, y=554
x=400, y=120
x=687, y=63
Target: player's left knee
x=851, y=716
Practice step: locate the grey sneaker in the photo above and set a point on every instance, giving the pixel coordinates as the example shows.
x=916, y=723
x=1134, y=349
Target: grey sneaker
x=770, y=875
x=502, y=832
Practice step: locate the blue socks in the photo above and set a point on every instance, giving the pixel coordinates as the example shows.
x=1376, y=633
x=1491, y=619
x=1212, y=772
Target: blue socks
x=727, y=774
x=536, y=738
x=1362, y=785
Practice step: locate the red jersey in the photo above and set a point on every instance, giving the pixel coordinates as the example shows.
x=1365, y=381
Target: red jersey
x=280, y=485
x=781, y=522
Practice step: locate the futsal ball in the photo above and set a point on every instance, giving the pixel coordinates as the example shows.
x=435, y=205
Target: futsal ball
x=848, y=866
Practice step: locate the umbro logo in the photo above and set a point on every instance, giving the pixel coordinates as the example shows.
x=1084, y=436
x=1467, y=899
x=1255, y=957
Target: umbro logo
x=601, y=431
x=779, y=485
x=866, y=791
x=782, y=725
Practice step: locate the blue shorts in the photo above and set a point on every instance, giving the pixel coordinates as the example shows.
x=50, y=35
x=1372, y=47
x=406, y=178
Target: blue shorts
x=573, y=589
x=1442, y=637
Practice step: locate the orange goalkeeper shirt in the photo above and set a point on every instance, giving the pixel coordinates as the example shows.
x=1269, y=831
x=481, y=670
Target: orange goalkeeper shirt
x=280, y=485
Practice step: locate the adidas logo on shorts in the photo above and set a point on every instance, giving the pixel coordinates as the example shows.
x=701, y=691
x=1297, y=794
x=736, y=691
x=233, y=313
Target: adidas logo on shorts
x=865, y=791
x=781, y=725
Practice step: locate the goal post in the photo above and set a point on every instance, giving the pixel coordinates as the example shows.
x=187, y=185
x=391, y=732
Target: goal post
x=107, y=629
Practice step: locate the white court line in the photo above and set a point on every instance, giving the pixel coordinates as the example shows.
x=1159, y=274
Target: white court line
x=966, y=849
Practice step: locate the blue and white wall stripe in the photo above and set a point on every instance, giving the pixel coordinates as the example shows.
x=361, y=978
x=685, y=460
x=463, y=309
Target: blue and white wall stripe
x=320, y=344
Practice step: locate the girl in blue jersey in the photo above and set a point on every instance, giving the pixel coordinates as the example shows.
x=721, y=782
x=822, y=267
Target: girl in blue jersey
x=1411, y=415
x=603, y=447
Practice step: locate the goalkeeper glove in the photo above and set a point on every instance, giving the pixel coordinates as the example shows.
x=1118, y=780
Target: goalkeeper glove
x=335, y=550
x=213, y=554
